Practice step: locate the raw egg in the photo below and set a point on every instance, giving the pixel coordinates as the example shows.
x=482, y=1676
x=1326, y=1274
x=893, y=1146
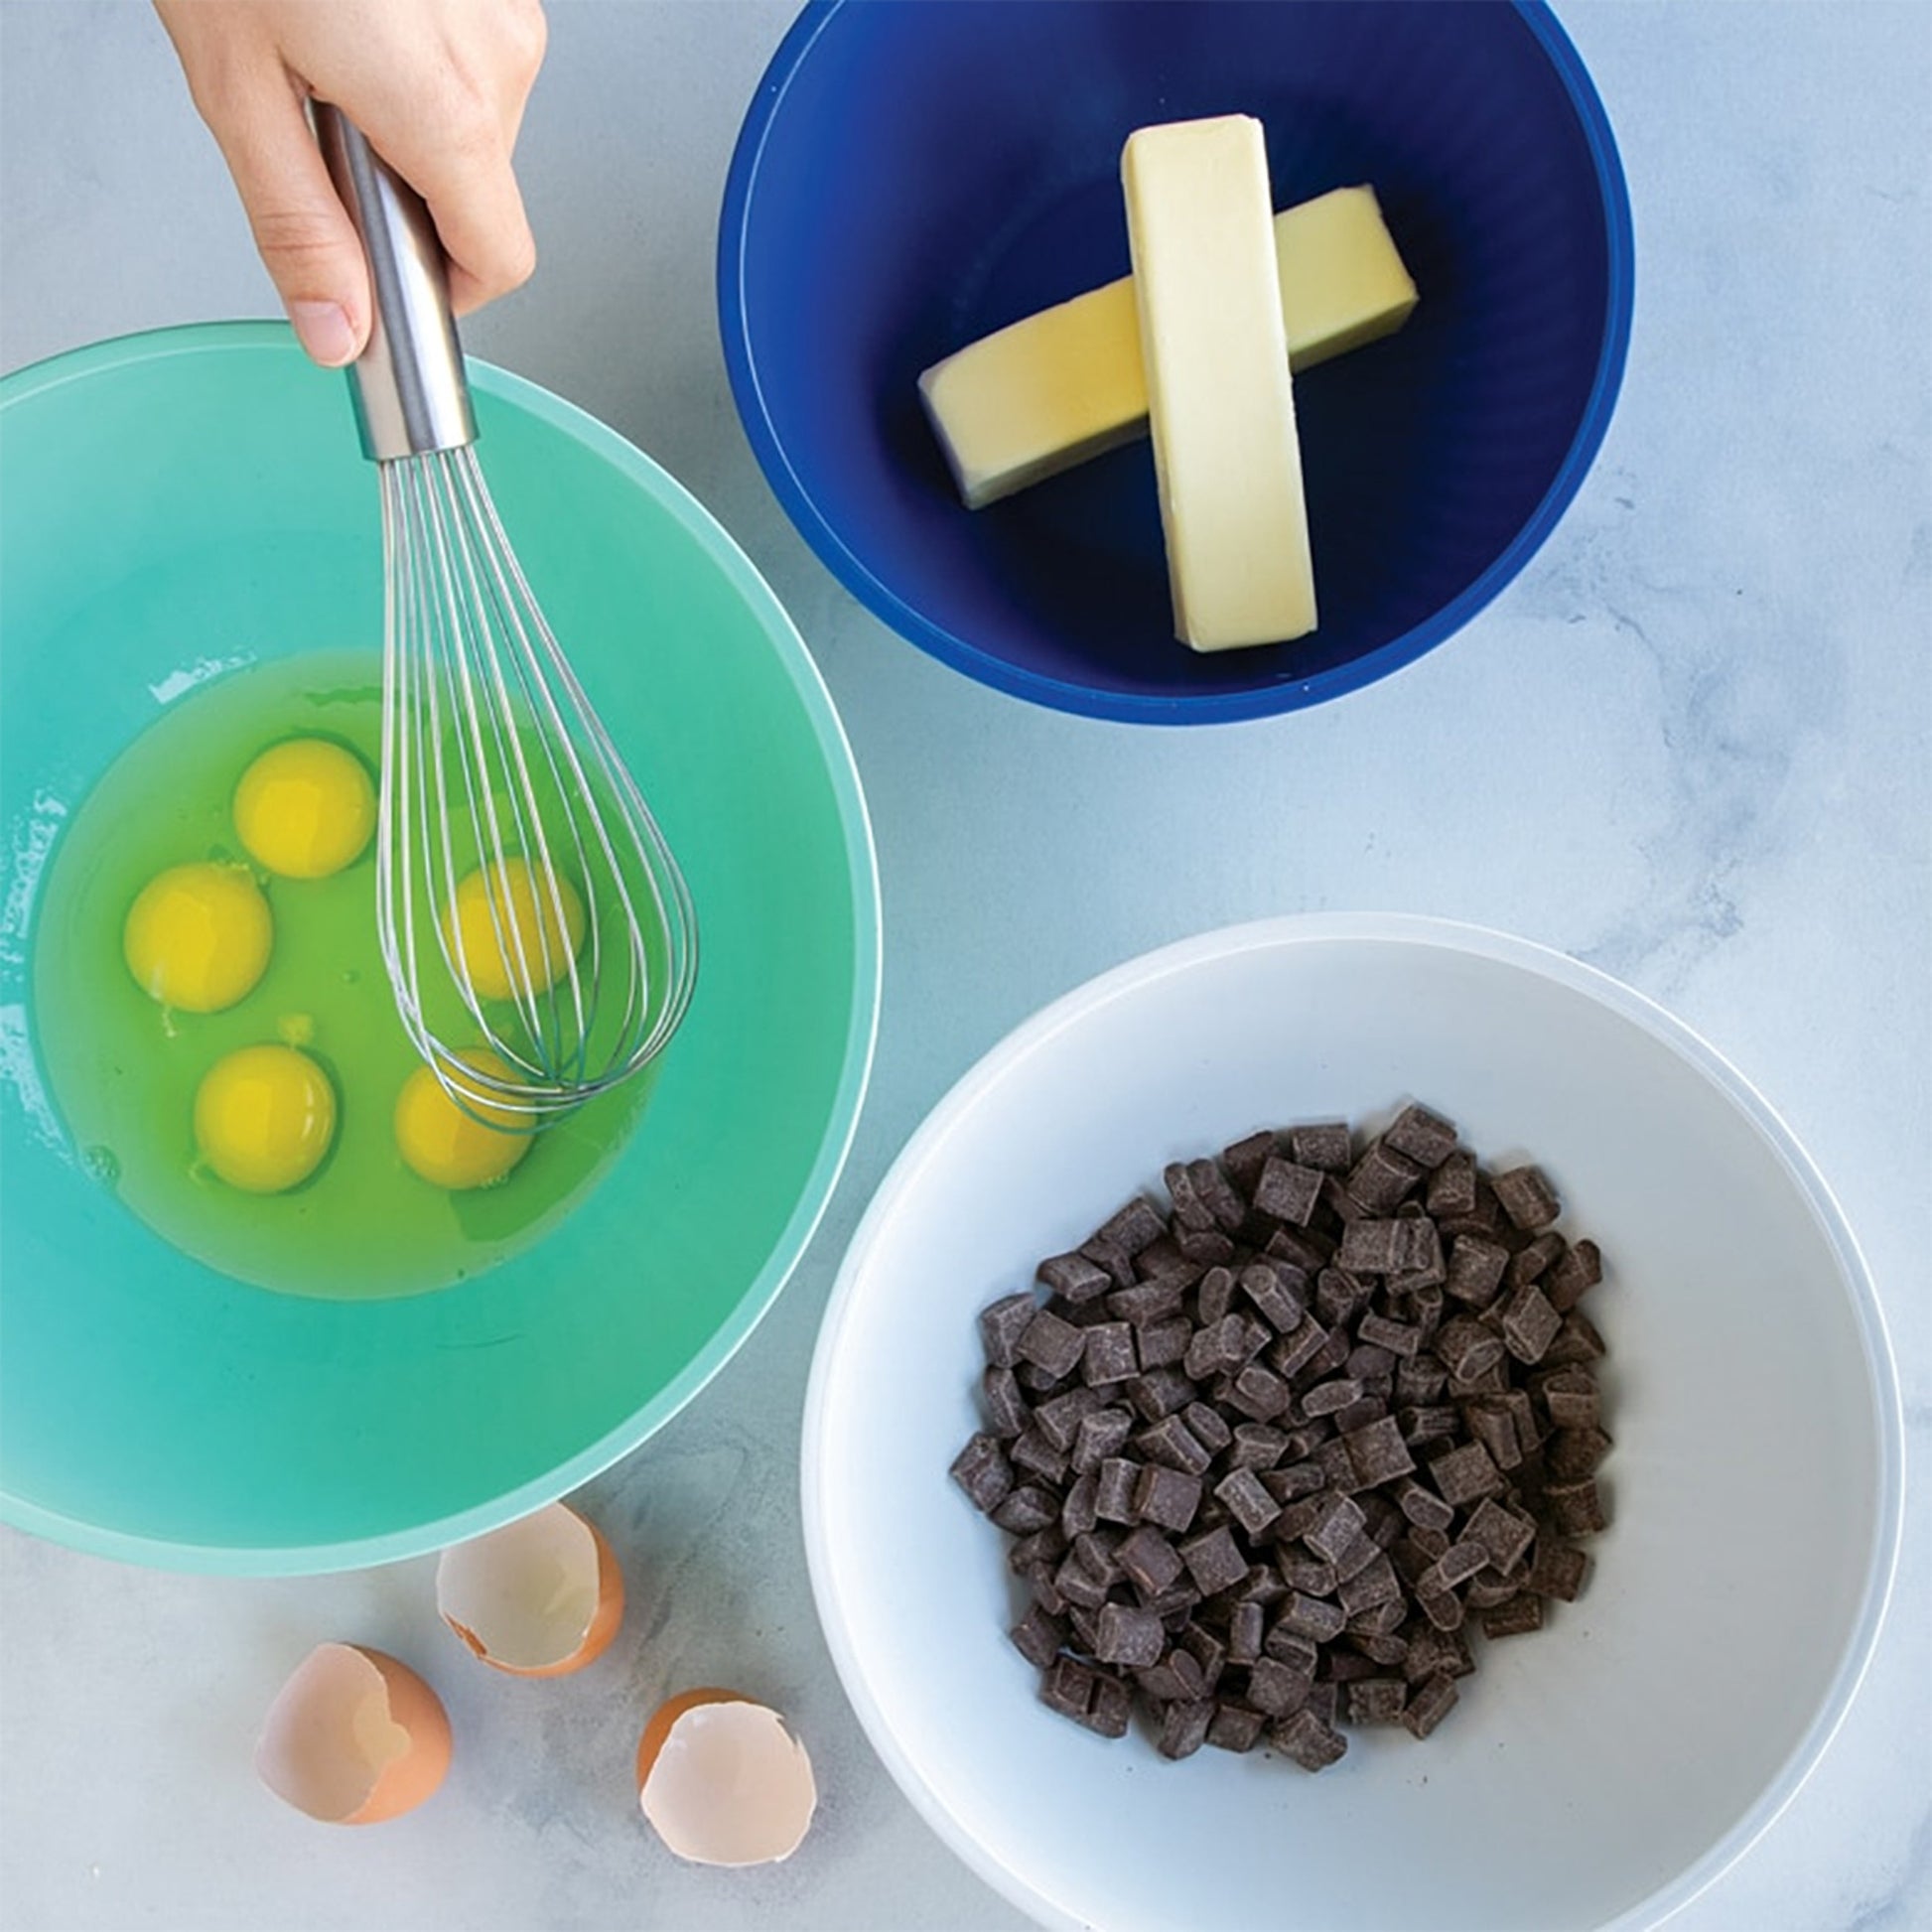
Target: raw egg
x=264, y=1117
x=539, y=1597
x=722, y=1781
x=502, y=930
x=305, y=808
x=197, y=937
x=453, y=1148
x=354, y=1737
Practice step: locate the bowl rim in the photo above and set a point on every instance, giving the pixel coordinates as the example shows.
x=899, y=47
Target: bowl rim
x=861, y=1023
x=1143, y=708
x=1293, y=930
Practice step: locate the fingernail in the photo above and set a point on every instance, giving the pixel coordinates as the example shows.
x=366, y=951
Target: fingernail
x=322, y=329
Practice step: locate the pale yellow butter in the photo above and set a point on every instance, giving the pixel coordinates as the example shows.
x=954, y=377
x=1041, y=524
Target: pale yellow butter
x=1220, y=400
x=1048, y=392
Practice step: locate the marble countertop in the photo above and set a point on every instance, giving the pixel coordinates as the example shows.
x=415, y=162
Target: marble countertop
x=1716, y=677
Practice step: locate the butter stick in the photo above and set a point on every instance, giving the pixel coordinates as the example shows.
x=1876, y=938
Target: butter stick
x=1031, y=400
x=1220, y=400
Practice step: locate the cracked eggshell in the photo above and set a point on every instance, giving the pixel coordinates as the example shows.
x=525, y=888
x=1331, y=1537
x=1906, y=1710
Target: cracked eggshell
x=721, y=1781
x=541, y=1597
x=353, y=1737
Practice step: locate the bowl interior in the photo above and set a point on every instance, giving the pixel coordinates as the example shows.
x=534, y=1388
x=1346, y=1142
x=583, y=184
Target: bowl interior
x=972, y=156
x=1630, y=1747
x=179, y=503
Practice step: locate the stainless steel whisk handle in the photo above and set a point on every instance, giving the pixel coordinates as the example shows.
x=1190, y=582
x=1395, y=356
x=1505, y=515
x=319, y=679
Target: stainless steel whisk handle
x=410, y=392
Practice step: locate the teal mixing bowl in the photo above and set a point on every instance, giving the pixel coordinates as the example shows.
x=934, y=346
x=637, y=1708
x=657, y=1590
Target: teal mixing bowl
x=181, y=502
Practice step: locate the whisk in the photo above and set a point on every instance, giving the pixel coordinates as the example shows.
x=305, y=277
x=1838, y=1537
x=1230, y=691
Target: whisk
x=537, y=932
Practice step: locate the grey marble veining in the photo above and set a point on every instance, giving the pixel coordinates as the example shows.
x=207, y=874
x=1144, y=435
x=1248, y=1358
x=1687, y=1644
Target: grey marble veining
x=1704, y=714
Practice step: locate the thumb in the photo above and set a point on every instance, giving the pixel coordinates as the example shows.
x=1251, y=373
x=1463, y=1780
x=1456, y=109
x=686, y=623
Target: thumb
x=307, y=240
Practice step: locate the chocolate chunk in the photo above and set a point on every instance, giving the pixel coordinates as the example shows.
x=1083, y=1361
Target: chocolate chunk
x=1530, y=1323
x=1423, y=1507
x=1443, y=1607
x=1215, y=1297
x=1325, y=1398
x=1204, y=1248
x=1465, y=1475
x=1559, y=1570
x=1162, y=1261
x=1006, y=1407
x=1102, y=1433
x=1025, y=1510
x=1452, y=1186
x=1096, y=1550
x=1184, y=1727
x=1527, y=1197
x=1036, y=1456
x=1377, y=1699
x=1160, y=1393
x=1078, y=1585
x=1532, y=1261
x=1502, y=1532
x=1277, y=1688
x=1382, y=1177
x=1423, y=1137
x=1132, y=1227
x=1379, y=1452
x=1235, y=1728
x=1077, y=1509
x=982, y=1470
x=1375, y=1583
x=1325, y=1145
x=1467, y=1348
x=1003, y=1324
x=1577, y=1508
x=1476, y=1268
x=1571, y=1399
x=1278, y=1291
x=1491, y=1424
x=1051, y=1344
x=1305, y=1249
x=1256, y=1445
x=1172, y=1442
x=1370, y=1247
x=1191, y=1212
x=1287, y=1191
x=1212, y=1187
x=1318, y=1618
x=1398, y=1337
x=1110, y=1354
x=1577, y=1341
x=1146, y=1301
x=1305, y=1348
x=1038, y=1637
x=1433, y=1698
x=1521, y=1613
x=1150, y=1561
x=1162, y=1344
x=1338, y=1295
x=1572, y=1275
x=1307, y=1742
x=1260, y=1394
x=1214, y=1561
x=1073, y=1277
x=1575, y=1452
x=1246, y=1626
x=1338, y=1525
x=1248, y=1500
x=1245, y=1159
x=1115, y=1481
x=1067, y=1687
x=1112, y=1257
x=1417, y=1253
x=1059, y=1417
x=1130, y=1637
x=1167, y=1498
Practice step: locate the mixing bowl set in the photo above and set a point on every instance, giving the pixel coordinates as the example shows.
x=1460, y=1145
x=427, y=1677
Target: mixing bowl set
x=909, y=177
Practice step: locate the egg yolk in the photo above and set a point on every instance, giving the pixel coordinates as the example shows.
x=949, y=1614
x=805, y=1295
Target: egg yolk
x=501, y=928
x=447, y=1146
x=264, y=1117
x=305, y=808
x=197, y=937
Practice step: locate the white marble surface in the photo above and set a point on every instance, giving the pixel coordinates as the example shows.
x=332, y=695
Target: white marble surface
x=1717, y=681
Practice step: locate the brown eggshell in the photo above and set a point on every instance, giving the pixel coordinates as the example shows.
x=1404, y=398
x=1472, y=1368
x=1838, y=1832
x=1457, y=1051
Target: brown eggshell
x=354, y=1737
x=517, y=1566
x=742, y=1799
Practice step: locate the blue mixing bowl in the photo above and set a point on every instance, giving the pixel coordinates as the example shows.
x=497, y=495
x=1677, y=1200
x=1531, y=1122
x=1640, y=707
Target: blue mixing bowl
x=911, y=175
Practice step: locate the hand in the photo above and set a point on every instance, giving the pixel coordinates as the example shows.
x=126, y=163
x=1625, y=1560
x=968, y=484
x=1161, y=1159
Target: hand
x=437, y=85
